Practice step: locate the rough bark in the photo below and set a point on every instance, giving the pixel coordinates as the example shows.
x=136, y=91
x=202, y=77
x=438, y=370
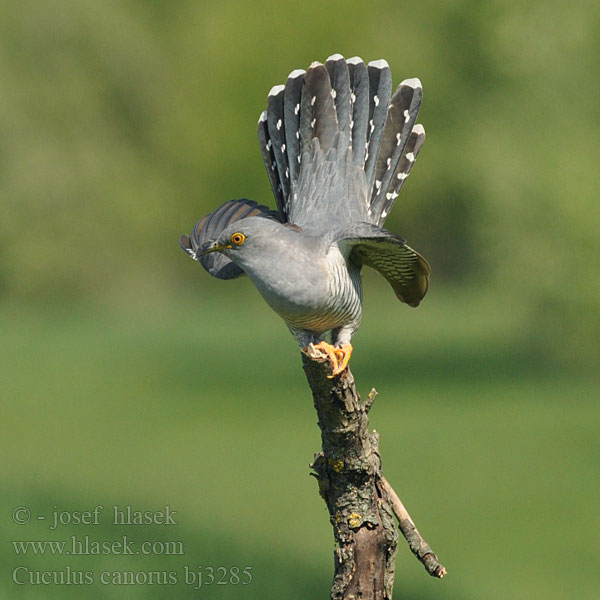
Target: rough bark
x=360, y=501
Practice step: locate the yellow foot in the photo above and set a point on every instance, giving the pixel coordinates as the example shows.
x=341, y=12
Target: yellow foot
x=339, y=357
x=343, y=356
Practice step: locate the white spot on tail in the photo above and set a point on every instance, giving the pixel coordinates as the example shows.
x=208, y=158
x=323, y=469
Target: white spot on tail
x=355, y=60
x=406, y=116
x=378, y=184
x=296, y=108
x=333, y=94
x=313, y=100
x=376, y=100
x=269, y=144
x=296, y=73
x=336, y=57
x=283, y=147
x=312, y=123
x=279, y=124
x=298, y=136
x=398, y=139
x=352, y=97
x=402, y=176
x=389, y=162
x=410, y=156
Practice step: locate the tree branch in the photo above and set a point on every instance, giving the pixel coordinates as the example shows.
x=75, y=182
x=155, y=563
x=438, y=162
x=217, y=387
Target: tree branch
x=360, y=501
x=419, y=547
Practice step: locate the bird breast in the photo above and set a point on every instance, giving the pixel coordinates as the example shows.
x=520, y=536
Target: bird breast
x=312, y=291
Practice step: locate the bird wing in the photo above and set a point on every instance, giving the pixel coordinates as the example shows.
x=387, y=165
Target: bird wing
x=208, y=229
x=404, y=268
x=337, y=149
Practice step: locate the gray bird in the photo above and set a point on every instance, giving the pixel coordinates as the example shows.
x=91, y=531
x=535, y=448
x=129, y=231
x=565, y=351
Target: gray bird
x=337, y=151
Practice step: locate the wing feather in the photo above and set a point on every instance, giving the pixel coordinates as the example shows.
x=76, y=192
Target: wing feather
x=389, y=254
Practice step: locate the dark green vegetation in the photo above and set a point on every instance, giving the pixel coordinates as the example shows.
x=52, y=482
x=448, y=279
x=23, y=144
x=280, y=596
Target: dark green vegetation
x=129, y=376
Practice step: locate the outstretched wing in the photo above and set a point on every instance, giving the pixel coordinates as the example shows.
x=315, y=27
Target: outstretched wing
x=208, y=229
x=404, y=268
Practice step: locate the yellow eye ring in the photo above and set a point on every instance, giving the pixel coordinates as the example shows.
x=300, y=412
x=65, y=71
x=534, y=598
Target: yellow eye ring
x=237, y=238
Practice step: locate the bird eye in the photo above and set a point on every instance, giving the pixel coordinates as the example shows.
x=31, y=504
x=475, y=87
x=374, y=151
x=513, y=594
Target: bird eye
x=238, y=239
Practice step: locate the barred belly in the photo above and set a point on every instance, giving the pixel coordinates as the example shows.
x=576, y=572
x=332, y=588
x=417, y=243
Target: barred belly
x=341, y=305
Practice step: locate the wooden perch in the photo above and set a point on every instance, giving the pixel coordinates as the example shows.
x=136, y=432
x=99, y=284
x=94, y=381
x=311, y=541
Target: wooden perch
x=361, y=502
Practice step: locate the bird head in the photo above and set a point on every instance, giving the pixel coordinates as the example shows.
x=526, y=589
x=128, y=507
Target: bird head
x=247, y=239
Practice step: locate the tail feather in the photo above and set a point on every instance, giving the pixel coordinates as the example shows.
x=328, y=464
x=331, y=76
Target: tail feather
x=380, y=84
x=275, y=127
x=340, y=89
x=317, y=110
x=401, y=116
x=359, y=96
x=268, y=154
x=405, y=164
x=292, y=97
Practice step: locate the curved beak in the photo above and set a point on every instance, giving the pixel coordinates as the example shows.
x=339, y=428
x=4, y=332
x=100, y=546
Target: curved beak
x=212, y=247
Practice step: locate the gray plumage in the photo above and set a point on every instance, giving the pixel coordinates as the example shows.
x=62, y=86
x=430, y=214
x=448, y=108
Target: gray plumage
x=337, y=150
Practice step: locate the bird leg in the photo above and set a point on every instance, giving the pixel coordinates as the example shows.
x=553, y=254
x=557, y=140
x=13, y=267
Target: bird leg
x=339, y=357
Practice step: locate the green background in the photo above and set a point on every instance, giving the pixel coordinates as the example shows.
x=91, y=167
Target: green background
x=130, y=377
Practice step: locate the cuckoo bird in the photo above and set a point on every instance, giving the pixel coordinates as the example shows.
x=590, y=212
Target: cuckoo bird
x=338, y=146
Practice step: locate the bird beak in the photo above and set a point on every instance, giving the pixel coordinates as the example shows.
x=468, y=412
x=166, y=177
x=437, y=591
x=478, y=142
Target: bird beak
x=212, y=247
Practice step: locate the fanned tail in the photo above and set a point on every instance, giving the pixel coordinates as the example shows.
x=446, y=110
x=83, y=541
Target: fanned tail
x=340, y=113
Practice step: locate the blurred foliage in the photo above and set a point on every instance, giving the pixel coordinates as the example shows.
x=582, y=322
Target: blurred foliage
x=495, y=454
x=121, y=123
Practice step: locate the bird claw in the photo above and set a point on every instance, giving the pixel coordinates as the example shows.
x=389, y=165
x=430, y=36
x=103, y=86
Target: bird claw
x=339, y=357
x=343, y=356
